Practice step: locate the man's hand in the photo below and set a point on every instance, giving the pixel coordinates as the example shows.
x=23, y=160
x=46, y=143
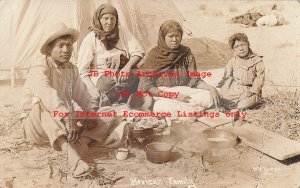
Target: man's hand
x=73, y=132
x=183, y=98
x=215, y=96
x=74, y=129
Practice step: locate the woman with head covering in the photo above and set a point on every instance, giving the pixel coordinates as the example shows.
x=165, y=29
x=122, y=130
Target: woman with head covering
x=108, y=49
x=169, y=62
x=244, y=74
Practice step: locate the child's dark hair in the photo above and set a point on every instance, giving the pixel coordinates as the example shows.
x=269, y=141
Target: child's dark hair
x=239, y=37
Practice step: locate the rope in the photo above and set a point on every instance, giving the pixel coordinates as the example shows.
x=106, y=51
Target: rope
x=275, y=85
x=207, y=42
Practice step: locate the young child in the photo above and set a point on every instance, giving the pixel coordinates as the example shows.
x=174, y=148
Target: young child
x=244, y=75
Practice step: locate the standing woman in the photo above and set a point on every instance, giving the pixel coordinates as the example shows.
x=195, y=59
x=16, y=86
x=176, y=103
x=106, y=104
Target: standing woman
x=244, y=74
x=108, y=47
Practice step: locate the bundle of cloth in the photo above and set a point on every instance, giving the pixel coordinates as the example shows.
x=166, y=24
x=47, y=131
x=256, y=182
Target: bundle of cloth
x=199, y=101
x=267, y=15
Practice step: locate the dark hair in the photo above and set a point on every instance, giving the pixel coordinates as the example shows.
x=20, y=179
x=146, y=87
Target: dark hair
x=170, y=26
x=238, y=37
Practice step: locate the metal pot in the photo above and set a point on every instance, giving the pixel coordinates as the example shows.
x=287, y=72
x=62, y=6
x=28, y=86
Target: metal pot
x=158, y=152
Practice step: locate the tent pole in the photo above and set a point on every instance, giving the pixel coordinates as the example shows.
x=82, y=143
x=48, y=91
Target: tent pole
x=206, y=41
x=12, y=76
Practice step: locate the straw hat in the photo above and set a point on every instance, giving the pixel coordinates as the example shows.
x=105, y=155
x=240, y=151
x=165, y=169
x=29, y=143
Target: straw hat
x=56, y=31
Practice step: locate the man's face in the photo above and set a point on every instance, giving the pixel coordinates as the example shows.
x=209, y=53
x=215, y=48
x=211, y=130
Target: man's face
x=61, y=49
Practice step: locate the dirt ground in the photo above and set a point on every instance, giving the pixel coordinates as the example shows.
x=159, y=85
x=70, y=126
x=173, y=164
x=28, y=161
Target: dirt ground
x=25, y=165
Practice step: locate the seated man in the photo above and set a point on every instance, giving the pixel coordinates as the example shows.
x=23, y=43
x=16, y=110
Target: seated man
x=51, y=86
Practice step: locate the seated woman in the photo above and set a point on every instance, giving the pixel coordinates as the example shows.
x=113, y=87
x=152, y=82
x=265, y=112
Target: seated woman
x=244, y=75
x=106, y=50
x=170, y=61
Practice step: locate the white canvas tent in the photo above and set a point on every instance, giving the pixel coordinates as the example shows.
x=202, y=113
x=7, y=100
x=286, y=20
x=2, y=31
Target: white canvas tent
x=24, y=23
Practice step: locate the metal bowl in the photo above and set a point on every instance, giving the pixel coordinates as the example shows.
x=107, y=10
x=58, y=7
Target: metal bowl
x=219, y=139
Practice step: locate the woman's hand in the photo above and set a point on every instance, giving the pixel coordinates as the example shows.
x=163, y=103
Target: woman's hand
x=123, y=76
x=215, y=96
x=105, y=109
x=246, y=94
x=113, y=63
x=183, y=98
x=94, y=92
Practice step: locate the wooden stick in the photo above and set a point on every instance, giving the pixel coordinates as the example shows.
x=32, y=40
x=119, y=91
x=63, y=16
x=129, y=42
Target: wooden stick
x=12, y=76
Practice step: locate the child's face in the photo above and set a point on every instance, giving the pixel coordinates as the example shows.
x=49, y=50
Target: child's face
x=241, y=48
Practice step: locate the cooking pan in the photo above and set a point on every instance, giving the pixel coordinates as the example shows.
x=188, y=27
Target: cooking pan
x=219, y=139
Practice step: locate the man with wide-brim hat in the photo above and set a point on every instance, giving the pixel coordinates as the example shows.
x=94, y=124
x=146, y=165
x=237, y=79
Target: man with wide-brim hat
x=57, y=31
x=53, y=83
